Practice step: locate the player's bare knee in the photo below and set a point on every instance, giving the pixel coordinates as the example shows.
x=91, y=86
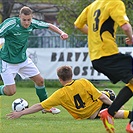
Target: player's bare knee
x=40, y=83
x=9, y=90
x=38, y=80
x=11, y=93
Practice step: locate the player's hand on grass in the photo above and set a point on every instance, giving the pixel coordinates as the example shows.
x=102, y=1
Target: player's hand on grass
x=14, y=115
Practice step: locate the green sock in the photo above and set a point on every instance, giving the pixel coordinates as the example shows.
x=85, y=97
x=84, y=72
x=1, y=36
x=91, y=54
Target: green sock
x=41, y=93
x=2, y=90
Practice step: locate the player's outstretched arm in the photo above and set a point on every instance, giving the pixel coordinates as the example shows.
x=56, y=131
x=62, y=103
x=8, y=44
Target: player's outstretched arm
x=105, y=99
x=62, y=34
x=33, y=109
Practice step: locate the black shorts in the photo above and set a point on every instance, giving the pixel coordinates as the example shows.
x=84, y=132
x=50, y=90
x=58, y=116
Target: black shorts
x=118, y=67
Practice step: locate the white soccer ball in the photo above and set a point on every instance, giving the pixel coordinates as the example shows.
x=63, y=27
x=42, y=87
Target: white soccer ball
x=19, y=104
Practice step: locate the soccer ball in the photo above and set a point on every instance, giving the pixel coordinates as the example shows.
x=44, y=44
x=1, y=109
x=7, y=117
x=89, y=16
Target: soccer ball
x=19, y=104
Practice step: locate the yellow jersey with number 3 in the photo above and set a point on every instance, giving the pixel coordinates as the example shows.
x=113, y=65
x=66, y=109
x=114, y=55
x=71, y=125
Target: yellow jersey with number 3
x=102, y=18
x=79, y=98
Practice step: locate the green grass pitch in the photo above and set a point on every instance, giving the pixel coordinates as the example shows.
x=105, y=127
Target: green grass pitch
x=48, y=123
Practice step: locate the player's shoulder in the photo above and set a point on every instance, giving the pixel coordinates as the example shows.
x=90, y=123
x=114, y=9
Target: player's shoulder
x=116, y=2
x=84, y=80
x=36, y=21
x=39, y=23
x=108, y=3
x=11, y=20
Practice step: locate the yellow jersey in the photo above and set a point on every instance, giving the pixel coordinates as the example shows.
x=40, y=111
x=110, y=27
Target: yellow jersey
x=79, y=98
x=102, y=18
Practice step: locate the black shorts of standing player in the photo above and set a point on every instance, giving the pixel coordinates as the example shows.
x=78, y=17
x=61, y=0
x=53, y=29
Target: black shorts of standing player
x=117, y=67
x=111, y=94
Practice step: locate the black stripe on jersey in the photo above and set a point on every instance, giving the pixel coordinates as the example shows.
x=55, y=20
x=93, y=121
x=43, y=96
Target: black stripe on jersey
x=70, y=83
x=92, y=98
x=107, y=26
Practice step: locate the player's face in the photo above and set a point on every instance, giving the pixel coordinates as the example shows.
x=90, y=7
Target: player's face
x=25, y=20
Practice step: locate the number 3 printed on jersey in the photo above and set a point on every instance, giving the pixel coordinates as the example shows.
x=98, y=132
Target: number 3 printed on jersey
x=96, y=19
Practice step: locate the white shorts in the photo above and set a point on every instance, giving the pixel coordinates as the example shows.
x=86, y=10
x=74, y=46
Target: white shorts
x=25, y=69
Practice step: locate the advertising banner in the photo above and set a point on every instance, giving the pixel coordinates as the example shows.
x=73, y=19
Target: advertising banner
x=49, y=59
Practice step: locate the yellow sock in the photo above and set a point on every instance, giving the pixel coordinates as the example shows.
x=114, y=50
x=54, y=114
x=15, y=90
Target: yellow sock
x=126, y=113
x=130, y=86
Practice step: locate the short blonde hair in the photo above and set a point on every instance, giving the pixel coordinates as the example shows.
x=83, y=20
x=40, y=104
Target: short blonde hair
x=25, y=10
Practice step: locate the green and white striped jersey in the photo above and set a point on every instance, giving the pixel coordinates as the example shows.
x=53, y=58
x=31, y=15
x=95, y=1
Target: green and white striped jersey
x=16, y=38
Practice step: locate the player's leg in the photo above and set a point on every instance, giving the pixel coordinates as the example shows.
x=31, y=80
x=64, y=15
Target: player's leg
x=29, y=70
x=40, y=87
x=123, y=114
x=129, y=127
x=115, y=72
x=9, y=87
x=120, y=100
x=108, y=114
x=8, y=90
x=42, y=93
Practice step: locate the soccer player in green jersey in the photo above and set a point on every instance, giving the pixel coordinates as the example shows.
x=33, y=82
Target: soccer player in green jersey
x=79, y=97
x=13, y=56
x=99, y=21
